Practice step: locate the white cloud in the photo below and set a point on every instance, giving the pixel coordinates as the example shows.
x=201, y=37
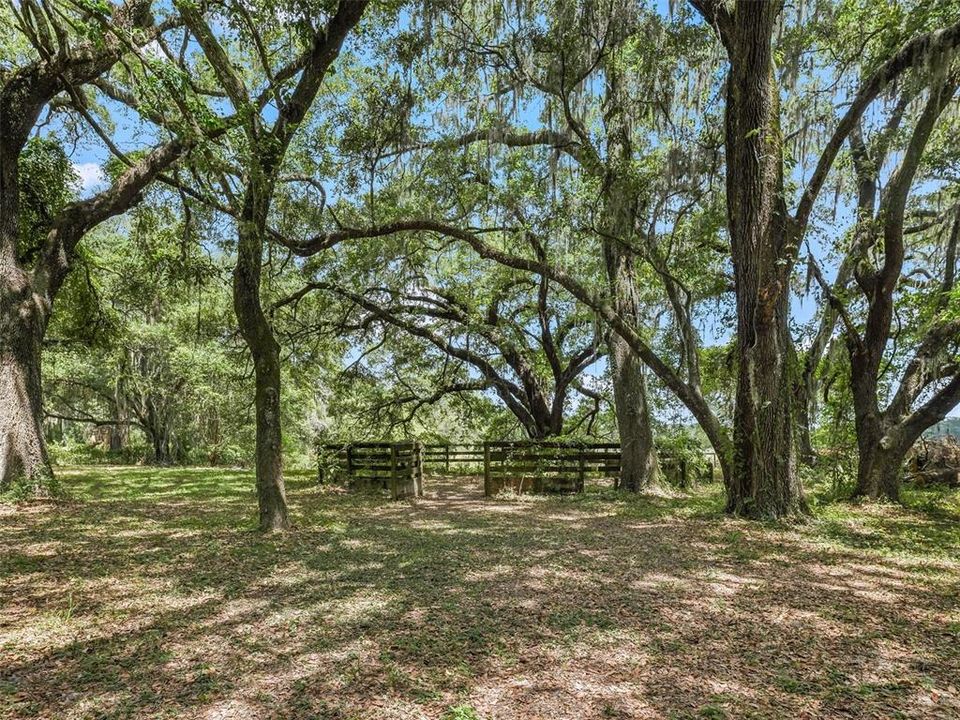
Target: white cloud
x=89, y=176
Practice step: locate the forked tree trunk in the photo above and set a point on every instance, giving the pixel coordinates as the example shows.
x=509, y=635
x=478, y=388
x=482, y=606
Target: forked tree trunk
x=24, y=463
x=885, y=436
x=878, y=469
x=546, y=417
x=271, y=493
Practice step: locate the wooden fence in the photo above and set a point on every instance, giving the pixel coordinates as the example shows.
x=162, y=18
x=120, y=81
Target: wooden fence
x=449, y=456
x=546, y=467
x=540, y=466
x=521, y=466
x=397, y=467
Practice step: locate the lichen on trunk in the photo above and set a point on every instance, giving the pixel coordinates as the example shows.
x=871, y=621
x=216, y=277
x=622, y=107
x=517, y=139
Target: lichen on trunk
x=24, y=462
x=256, y=330
x=639, y=466
x=765, y=483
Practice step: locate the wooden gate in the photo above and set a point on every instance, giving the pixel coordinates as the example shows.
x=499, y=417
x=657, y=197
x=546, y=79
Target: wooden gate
x=396, y=467
x=546, y=467
x=447, y=457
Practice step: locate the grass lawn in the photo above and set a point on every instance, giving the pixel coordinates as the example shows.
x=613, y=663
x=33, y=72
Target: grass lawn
x=147, y=596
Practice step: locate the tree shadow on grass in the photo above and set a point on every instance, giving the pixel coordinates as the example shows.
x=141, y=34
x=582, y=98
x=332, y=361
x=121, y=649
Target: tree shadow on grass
x=533, y=607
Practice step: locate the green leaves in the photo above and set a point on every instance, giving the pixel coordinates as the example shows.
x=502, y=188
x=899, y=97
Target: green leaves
x=47, y=182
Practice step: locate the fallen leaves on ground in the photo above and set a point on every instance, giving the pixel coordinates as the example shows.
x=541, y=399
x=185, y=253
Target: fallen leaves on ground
x=147, y=596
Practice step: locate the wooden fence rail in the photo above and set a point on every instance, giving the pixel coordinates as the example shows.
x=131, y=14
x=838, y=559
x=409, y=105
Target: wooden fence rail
x=521, y=466
x=538, y=466
x=446, y=456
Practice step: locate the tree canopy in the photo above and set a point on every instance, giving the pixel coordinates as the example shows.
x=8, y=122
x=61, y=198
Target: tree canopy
x=231, y=231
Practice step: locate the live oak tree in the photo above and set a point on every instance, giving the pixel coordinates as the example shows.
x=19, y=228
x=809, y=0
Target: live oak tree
x=765, y=482
x=765, y=239
x=904, y=375
x=62, y=51
x=489, y=329
x=289, y=87
x=856, y=36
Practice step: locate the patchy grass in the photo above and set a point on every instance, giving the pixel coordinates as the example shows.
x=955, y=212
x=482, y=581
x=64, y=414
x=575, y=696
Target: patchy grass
x=148, y=596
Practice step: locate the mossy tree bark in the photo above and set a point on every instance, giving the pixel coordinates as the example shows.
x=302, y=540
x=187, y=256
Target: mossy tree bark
x=24, y=463
x=30, y=281
x=765, y=481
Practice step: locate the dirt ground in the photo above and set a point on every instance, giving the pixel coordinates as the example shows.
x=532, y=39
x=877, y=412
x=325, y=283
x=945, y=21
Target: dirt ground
x=147, y=596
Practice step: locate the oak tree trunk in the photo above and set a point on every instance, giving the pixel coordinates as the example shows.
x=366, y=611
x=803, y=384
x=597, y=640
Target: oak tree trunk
x=880, y=452
x=638, y=462
x=24, y=462
x=160, y=442
x=765, y=482
x=639, y=469
x=879, y=468
x=114, y=439
x=271, y=493
x=268, y=148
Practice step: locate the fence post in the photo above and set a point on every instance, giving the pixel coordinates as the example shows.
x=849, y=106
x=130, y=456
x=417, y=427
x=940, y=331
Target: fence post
x=418, y=467
x=447, y=454
x=393, y=472
x=350, y=463
x=486, y=469
x=581, y=475
x=619, y=467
